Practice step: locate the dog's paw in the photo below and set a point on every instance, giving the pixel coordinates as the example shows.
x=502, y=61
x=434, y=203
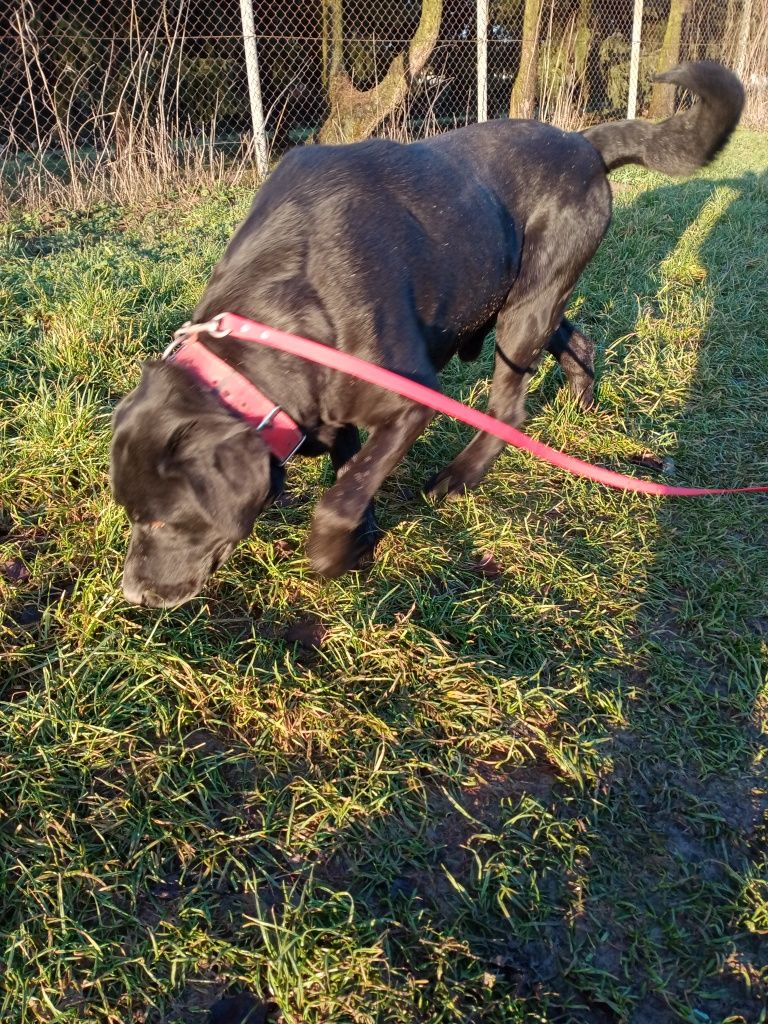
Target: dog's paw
x=448, y=484
x=585, y=398
x=332, y=557
x=330, y=565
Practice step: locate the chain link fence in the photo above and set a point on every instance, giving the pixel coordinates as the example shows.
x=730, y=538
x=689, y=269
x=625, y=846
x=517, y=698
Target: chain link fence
x=82, y=74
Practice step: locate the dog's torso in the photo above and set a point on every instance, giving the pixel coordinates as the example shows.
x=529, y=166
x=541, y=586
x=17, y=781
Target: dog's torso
x=401, y=254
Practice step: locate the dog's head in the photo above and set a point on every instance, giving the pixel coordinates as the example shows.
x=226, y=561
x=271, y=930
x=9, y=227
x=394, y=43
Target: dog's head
x=192, y=480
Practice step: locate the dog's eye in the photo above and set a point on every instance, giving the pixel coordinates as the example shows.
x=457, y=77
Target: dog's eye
x=179, y=435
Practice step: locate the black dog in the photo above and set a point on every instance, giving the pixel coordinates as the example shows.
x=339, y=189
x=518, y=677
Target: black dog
x=403, y=255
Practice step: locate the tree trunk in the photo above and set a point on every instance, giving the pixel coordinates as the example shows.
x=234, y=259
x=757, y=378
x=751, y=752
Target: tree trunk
x=522, y=102
x=730, y=27
x=663, y=97
x=743, y=43
x=355, y=113
x=583, y=45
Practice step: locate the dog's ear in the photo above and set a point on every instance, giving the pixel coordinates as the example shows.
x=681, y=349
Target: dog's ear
x=229, y=466
x=250, y=473
x=179, y=446
x=241, y=450
x=152, y=378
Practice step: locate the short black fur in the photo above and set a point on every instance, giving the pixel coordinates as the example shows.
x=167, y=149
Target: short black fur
x=403, y=255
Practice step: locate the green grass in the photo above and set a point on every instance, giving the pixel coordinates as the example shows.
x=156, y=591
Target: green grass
x=537, y=794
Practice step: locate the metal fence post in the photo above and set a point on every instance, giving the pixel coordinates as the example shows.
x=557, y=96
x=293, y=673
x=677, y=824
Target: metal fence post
x=634, y=60
x=254, y=87
x=482, y=60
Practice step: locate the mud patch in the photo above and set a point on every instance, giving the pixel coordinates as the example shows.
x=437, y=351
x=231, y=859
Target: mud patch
x=195, y=1002
x=242, y=1008
x=27, y=614
x=459, y=821
x=308, y=633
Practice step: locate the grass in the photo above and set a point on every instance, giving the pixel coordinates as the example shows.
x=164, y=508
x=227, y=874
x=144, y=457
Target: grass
x=517, y=773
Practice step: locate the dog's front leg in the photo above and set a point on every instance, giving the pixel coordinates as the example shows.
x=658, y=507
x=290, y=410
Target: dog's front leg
x=336, y=542
x=345, y=446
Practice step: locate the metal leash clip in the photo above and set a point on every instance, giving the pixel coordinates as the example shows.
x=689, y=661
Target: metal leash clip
x=212, y=327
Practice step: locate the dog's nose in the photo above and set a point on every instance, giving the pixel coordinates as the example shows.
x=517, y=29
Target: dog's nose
x=132, y=592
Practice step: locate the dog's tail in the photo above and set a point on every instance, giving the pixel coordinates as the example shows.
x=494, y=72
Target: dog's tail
x=685, y=142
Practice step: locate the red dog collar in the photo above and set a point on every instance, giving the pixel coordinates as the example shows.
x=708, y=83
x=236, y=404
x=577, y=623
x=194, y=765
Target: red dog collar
x=233, y=390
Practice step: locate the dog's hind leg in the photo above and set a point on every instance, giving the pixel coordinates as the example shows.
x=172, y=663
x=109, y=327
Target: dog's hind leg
x=575, y=353
x=471, y=346
x=336, y=543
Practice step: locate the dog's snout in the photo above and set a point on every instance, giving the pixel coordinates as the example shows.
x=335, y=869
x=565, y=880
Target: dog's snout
x=133, y=592
x=142, y=593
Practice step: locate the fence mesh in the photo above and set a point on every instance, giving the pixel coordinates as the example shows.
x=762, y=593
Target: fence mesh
x=81, y=72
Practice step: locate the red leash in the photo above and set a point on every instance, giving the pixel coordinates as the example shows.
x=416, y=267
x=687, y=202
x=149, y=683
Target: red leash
x=229, y=324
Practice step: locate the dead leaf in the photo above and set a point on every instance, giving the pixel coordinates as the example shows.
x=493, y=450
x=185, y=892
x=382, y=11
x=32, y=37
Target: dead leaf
x=284, y=550
x=485, y=564
x=15, y=571
x=648, y=460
